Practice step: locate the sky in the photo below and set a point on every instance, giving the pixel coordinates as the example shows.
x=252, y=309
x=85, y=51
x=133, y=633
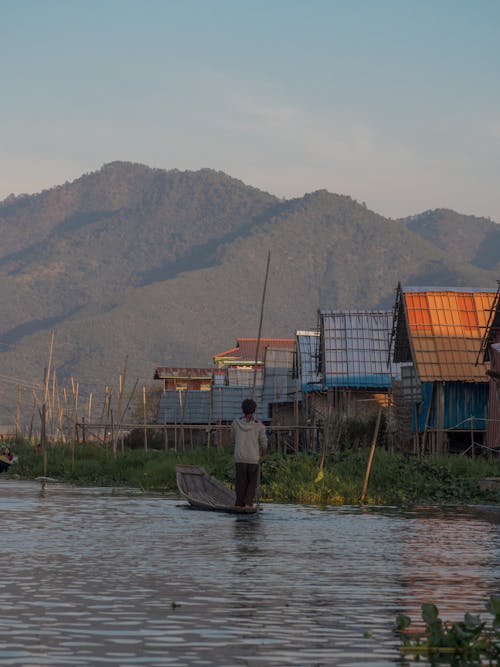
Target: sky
x=393, y=102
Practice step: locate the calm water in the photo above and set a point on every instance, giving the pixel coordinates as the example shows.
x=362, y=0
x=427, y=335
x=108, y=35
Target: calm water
x=92, y=577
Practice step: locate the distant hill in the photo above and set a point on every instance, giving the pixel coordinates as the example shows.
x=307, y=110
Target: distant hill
x=468, y=238
x=167, y=267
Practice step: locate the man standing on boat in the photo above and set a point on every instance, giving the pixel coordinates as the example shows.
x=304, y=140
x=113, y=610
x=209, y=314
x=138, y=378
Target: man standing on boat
x=250, y=444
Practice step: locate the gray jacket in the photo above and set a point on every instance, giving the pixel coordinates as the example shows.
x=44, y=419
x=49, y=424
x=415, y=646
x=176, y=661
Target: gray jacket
x=249, y=436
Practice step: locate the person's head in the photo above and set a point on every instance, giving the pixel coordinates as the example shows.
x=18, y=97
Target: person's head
x=248, y=407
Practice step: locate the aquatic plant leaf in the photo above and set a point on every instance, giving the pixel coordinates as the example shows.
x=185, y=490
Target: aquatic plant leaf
x=402, y=621
x=493, y=605
x=430, y=613
x=463, y=634
x=473, y=622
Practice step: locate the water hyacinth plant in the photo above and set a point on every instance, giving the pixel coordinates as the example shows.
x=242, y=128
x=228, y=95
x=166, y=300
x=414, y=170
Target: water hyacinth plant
x=472, y=641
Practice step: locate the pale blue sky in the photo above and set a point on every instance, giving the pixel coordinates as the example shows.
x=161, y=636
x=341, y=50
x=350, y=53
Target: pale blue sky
x=394, y=102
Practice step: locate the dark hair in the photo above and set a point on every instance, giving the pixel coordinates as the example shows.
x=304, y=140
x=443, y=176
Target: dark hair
x=248, y=406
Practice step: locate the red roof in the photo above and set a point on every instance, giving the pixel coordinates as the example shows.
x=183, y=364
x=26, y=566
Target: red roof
x=246, y=347
x=169, y=372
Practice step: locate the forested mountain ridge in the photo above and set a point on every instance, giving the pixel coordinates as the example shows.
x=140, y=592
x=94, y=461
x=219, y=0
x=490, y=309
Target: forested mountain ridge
x=167, y=267
x=469, y=238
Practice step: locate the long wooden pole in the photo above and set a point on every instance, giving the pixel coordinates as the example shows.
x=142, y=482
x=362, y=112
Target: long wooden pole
x=326, y=441
x=260, y=324
x=120, y=398
x=46, y=395
x=261, y=318
x=370, y=458
x=144, y=405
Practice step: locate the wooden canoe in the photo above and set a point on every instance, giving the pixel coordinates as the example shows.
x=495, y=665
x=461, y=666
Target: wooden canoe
x=204, y=492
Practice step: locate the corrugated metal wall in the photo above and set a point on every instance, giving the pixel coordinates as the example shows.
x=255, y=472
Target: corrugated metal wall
x=280, y=384
x=308, y=360
x=465, y=405
x=206, y=407
x=493, y=434
x=184, y=407
x=243, y=377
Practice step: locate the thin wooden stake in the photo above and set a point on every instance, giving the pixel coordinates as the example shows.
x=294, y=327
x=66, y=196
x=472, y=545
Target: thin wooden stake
x=18, y=408
x=144, y=405
x=370, y=458
x=120, y=398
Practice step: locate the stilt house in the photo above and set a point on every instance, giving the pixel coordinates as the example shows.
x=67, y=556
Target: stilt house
x=490, y=352
x=354, y=362
x=437, y=334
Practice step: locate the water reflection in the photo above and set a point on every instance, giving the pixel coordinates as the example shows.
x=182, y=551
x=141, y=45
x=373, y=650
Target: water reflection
x=96, y=577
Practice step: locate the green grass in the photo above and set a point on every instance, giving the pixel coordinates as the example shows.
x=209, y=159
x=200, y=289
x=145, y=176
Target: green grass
x=394, y=479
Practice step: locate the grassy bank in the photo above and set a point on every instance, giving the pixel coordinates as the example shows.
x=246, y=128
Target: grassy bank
x=394, y=479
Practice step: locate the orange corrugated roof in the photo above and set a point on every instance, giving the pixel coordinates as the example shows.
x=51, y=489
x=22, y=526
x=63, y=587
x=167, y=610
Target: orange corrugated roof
x=445, y=329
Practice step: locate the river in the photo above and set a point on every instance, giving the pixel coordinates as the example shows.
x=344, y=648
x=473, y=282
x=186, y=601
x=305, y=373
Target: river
x=95, y=576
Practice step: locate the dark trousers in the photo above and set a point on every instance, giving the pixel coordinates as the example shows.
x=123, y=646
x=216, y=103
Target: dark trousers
x=247, y=475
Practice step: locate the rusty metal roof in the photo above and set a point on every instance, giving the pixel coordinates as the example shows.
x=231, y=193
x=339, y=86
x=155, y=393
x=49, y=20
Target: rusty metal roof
x=170, y=372
x=444, y=328
x=246, y=347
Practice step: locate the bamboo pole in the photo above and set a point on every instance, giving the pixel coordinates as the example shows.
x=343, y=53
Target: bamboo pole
x=113, y=438
x=260, y=325
x=326, y=439
x=65, y=408
x=131, y=396
x=120, y=399
x=472, y=445
x=18, y=409
x=296, y=416
x=144, y=405
x=43, y=437
x=46, y=395
x=165, y=434
x=57, y=409
x=427, y=419
x=105, y=418
x=33, y=412
x=370, y=458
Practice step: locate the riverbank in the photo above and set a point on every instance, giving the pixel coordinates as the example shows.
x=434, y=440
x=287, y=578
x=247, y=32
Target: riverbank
x=394, y=479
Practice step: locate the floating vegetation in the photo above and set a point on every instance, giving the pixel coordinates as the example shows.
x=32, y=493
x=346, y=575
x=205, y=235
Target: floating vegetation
x=292, y=478
x=468, y=642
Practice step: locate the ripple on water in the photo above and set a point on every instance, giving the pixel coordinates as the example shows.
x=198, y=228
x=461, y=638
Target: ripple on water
x=101, y=578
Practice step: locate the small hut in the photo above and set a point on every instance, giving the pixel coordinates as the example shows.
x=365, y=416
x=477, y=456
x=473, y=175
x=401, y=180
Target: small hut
x=436, y=336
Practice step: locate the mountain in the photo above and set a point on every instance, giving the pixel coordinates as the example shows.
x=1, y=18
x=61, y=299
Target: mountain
x=134, y=267
x=469, y=238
